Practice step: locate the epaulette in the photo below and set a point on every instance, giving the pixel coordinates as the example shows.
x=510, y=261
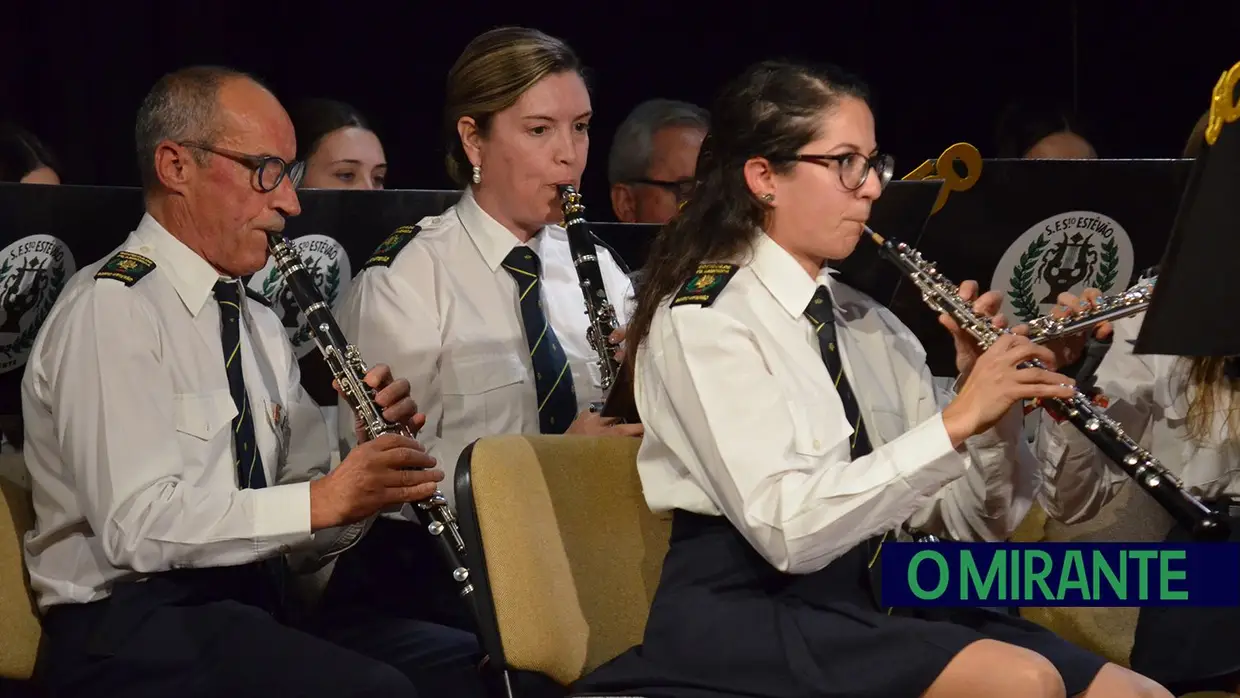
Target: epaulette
x=615, y=256
x=255, y=295
x=126, y=267
x=706, y=285
x=386, y=252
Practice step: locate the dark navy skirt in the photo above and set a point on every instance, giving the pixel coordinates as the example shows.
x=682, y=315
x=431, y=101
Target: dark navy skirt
x=724, y=622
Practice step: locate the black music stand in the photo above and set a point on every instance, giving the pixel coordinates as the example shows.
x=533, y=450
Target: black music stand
x=1194, y=309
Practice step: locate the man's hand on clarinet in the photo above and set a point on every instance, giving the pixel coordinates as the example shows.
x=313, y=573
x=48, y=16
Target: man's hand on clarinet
x=392, y=396
x=378, y=474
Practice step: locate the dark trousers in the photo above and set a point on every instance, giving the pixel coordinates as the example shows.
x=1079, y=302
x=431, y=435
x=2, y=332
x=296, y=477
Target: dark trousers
x=396, y=570
x=206, y=633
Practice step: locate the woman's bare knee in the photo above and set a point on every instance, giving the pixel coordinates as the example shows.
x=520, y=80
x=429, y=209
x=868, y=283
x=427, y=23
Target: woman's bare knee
x=1114, y=681
x=990, y=668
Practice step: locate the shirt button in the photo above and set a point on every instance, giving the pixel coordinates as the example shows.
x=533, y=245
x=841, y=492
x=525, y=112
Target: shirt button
x=817, y=443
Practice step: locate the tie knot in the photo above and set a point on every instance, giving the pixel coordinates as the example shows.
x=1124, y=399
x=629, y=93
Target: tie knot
x=228, y=292
x=523, y=259
x=819, y=308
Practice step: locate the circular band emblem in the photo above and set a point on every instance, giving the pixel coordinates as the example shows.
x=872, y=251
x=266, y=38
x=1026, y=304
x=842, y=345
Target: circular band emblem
x=33, y=271
x=1068, y=252
x=327, y=262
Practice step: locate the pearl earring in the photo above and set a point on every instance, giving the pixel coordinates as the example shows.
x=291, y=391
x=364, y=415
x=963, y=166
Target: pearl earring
x=477, y=174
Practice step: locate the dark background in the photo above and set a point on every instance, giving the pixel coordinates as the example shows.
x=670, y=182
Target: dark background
x=1138, y=73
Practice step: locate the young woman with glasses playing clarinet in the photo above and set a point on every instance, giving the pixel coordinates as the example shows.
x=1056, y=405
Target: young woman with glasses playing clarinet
x=792, y=427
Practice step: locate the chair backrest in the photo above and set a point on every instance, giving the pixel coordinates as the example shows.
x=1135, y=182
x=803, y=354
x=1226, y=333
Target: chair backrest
x=19, y=621
x=572, y=552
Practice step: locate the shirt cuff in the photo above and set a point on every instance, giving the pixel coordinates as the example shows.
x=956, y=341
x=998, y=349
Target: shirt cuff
x=930, y=447
x=282, y=513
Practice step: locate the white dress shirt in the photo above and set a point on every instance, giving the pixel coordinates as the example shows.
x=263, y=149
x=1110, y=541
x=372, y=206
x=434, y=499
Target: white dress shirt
x=129, y=437
x=446, y=316
x=1148, y=396
x=742, y=419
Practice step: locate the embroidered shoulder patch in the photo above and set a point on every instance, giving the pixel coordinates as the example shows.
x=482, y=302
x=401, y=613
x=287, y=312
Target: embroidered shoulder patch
x=126, y=267
x=386, y=252
x=255, y=295
x=705, y=285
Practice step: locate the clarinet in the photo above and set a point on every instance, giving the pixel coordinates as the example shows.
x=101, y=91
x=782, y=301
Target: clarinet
x=348, y=369
x=944, y=297
x=601, y=314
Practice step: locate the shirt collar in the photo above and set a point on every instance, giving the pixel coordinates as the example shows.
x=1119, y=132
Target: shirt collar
x=493, y=240
x=784, y=277
x=192, y=276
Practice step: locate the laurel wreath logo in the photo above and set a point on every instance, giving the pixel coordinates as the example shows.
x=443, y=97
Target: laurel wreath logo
x=25, y=340
x=1022, y=280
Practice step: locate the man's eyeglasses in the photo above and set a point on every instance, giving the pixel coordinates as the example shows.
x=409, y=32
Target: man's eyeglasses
x=854, y=168
x=680, y=188
x=269, y=170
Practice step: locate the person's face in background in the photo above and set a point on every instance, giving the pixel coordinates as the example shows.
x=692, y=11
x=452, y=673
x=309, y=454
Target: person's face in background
x=668, y=180
x=41, y=175
x=347, y=158
x=1063, y=145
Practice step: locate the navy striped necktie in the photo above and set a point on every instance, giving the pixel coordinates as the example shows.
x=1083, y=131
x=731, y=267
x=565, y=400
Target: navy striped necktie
x=557, y=400
x=822, y=316
x=245, y=449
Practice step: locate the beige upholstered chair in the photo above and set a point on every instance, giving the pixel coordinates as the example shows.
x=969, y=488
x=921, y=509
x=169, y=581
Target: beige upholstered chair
x=570, y=553
x=19, y=621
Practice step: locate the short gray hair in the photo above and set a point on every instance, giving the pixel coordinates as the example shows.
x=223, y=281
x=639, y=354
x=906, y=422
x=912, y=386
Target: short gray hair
x=633, y=145
x=180, y=107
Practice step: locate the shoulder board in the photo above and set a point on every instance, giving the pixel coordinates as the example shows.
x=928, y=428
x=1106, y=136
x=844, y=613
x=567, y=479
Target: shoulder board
x=705, y=286
x=256, y=296
x=126, y=267
x=615, y=256
x=386, y=252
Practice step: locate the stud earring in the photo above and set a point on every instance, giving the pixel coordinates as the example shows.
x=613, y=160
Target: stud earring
x=477, y=174
x=768, y=197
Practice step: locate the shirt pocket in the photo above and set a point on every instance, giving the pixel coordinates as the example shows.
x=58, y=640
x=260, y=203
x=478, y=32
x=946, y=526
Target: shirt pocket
x=204, y=427
x=818, y=425
x=483, y=395
x=202, y=415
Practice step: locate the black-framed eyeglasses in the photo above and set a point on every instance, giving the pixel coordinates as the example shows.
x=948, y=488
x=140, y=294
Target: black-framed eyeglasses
x=854, y=168
x=681, y=188
x=269, y=170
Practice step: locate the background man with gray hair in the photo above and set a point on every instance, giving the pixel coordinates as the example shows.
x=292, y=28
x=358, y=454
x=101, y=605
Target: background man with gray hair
x=652, y=160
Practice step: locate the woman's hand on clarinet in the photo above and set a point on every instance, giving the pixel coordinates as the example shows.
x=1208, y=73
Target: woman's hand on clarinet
x=995, y=384
x=591, y=424
x=392, y=396
x=616, y=339
x=1067, y=350
x=967, y=349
